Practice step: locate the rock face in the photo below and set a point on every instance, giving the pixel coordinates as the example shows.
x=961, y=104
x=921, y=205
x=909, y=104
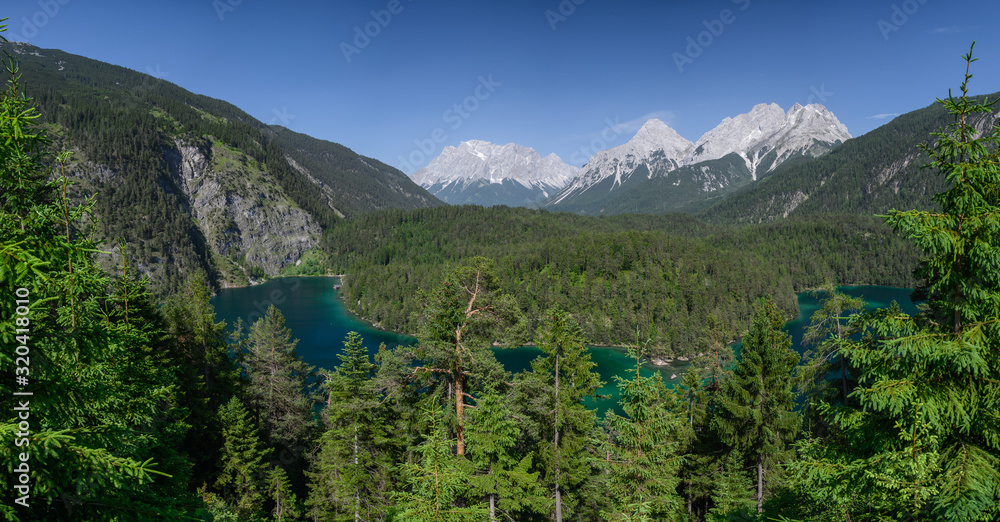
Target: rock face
x=483, y=173
x=246, y=219
x=767, y=136
x=658, y=170
x=655, y=148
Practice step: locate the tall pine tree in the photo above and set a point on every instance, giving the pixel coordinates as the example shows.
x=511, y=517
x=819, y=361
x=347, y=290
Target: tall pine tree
x=756, y=404
x=923, y=441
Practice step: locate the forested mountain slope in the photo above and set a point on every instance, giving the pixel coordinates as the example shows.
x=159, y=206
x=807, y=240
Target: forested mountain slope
x=194, y=183
x=867, y=175
x=681, y=282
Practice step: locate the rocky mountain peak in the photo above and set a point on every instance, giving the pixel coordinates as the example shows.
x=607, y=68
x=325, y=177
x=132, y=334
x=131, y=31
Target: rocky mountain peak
x=458, y=175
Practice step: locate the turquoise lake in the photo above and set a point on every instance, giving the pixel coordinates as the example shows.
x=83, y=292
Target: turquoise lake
x=320, y=321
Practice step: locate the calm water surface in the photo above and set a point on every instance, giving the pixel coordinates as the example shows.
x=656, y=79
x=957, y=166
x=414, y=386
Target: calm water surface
x=320, y=321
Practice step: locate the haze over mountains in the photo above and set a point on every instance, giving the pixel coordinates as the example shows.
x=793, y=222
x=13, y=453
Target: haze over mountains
x=740, y=150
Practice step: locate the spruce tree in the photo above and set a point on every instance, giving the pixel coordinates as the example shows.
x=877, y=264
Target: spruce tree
x=349, y=476
x=644, y=463
x=827, y=332
x=243, y=466
x=277, y=386
x=756, y=404
x=923, y=441
x=438, y=479
x=502, y=475
x=566, y=374
x=99, y=390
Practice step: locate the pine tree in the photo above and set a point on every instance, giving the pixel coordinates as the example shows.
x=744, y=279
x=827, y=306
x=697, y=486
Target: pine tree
x=349, y=477
x=756, y=403
x=644, y=463
x=502, y=475
x=242, y=477
x=923, y=441
x=566, y=373
x=467, y=314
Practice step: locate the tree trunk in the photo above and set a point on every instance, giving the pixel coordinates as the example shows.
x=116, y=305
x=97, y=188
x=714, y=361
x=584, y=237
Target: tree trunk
x=760, y=482
x=357, y=493
x=493, y=506
x=555, y=444
x=843, y=377
x=459, y=412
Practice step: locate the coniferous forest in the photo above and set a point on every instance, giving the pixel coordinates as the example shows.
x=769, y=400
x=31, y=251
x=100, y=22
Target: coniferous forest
x=130, y=406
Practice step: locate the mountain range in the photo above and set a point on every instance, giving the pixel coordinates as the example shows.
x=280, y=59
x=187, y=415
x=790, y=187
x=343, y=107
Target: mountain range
x=658, y=170
x=192, y=183
x=483, y=173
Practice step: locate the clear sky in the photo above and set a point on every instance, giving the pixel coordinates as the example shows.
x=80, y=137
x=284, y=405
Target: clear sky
x=398, y=80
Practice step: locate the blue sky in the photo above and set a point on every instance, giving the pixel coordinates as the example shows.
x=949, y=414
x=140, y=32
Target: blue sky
x=399, y=80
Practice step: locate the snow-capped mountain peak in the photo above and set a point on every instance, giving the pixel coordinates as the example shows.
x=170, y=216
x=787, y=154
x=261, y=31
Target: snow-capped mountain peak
x=755, y=143
x=518, y=174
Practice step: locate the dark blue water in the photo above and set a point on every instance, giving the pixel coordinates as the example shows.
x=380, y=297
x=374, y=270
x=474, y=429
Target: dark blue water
x=320, y=321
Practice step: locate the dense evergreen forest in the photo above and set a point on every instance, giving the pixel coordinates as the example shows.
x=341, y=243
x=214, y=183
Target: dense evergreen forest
x=124, y=407
x=660, y=275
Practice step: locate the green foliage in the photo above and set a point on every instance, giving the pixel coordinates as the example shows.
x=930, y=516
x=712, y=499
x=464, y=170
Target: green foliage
x=559, y=381
x=466, y=315
x=277, y=387
x=243, y=469
x=502, y=475
x=756, y=402
x=642, y=460
x=350, y=474
x=827, y=332
x=102, y=419
x=286, y=506
x=438, y=480
x=923, y=440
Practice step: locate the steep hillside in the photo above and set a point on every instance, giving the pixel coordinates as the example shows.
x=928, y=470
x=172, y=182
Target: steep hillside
x=194, y=183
